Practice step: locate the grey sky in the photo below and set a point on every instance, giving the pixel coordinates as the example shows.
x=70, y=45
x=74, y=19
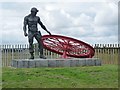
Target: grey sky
x=92, y=22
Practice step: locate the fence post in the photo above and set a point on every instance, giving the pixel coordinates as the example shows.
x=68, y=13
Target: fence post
x=0, y=56
x=28, y=51
x=5, y=55
x=12, y=52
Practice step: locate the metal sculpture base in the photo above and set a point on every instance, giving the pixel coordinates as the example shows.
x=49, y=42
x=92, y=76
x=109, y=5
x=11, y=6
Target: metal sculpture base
x=36, y=63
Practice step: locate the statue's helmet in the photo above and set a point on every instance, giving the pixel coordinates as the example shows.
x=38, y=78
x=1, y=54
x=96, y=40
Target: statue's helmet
x=34, y=9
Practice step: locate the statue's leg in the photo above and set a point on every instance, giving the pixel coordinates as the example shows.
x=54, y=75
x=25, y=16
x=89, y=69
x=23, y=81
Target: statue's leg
x=40, y=46
x=30, y=40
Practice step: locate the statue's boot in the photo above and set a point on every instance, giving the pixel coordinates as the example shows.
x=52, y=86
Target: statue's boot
x=42, y=56
x=32, y=56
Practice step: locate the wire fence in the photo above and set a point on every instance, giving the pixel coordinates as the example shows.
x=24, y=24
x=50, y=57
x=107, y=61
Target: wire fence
x=108, y=53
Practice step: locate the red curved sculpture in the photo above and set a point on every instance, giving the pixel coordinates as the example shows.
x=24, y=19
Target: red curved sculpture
x=67, y=46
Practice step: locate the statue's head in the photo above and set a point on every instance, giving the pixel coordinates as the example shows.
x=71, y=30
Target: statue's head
x=34, y=11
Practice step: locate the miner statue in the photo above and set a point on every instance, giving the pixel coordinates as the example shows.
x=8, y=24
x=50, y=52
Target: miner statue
x=30, y=22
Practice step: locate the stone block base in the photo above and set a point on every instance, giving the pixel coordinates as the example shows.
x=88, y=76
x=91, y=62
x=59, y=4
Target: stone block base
x=74, y=62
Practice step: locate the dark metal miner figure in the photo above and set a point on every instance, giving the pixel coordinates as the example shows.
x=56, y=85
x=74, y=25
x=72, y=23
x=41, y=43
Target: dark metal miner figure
x=31, y=21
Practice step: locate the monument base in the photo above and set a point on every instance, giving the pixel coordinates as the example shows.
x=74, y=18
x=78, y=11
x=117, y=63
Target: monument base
x=74, y=62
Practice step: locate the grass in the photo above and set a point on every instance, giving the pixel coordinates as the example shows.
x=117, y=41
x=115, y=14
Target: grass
x=105, y=76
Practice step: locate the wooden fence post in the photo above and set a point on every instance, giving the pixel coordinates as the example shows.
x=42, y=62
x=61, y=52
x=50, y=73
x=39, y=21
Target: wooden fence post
x=0, y=56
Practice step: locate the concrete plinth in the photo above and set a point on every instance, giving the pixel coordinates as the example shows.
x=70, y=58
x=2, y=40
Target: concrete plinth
x=74, y=62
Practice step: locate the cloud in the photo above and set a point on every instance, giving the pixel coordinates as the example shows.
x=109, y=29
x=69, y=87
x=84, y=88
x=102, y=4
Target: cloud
x=13, y=37
x=58, y=19
x=82, y=20
x=108, y=15
x=87, y=21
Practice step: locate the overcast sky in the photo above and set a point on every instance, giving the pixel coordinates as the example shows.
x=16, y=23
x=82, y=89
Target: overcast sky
x=90, y=21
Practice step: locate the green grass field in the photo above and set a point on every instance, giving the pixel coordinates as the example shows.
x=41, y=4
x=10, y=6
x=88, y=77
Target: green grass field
x=105, y=76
